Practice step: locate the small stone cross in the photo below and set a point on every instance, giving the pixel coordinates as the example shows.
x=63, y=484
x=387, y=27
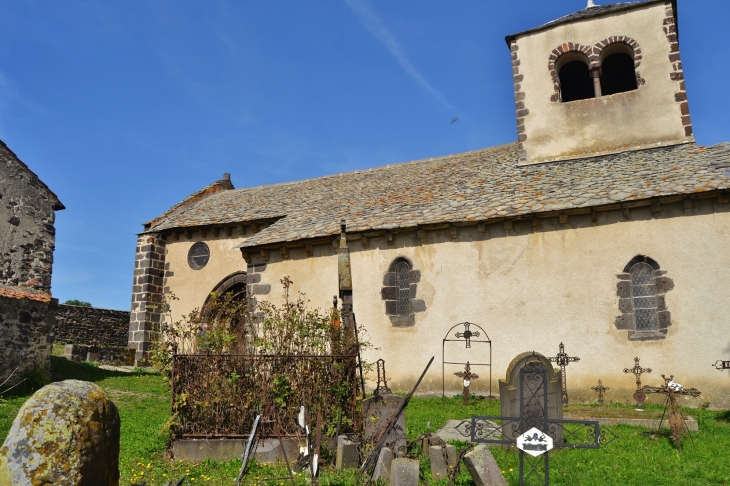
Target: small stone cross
x=600, y=389
x=562, y=360
x=467, y=375
x=637, y=370
x=467, y=334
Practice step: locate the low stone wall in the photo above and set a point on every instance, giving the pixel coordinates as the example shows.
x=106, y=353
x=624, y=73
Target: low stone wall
x=92, y=326
x=26, y=335
x=116, y=356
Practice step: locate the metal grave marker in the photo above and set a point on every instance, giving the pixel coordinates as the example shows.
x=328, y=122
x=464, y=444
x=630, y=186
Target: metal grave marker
x=722, y=365
x=601, y=390
x=531, y=426
x=467, y=375
x=562, y=359
x=639, y=395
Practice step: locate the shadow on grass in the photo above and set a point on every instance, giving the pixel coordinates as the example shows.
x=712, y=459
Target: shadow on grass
x=723, y=416
x=63, y=369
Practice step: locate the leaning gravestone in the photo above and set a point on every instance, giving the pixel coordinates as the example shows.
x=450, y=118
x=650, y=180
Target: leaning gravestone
x=66, y=433
x=377, y=412
x=525, y=397
x=483, y=468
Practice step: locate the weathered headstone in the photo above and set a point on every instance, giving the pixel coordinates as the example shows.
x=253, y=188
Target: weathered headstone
x=429, y=441
x=66, y=433
x=483, y=468
x=377, y=412
x=533, y=393
x=404, y=472
x=347, y=455
x=382, y=468
x=443, y=460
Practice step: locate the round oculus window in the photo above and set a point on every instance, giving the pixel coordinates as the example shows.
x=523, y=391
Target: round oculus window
x=198, y=255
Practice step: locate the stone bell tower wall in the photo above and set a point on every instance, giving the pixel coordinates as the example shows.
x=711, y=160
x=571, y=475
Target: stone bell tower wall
x=654, y=114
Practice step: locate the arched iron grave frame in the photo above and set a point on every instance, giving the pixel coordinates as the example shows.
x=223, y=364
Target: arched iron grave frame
x=466, y=335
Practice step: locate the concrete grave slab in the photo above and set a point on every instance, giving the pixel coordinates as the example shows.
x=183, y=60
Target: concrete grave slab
x=347, y=455
x=377, y=412
x=440, y=465
x=382, y=468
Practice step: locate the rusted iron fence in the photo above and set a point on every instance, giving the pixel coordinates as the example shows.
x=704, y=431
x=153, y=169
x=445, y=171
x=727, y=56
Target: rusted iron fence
x=219, y=395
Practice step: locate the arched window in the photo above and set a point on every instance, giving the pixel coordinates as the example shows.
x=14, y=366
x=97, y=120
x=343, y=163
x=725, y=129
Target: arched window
x=618, y=73
x=400, y=285
x=403, y=282
x=575, y=78
x=644, y=296
x=642, y=289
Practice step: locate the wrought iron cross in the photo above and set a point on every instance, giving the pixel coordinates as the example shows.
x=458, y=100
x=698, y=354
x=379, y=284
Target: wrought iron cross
x=722, y=365
x=562, y=360
x=637, y=370
x=467, y=334
x=382, y=386
x=467, y=375
x=676, y=418
x=600, y=389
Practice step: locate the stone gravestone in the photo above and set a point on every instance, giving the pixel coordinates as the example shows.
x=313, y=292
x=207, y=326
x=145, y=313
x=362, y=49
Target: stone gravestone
x=376, y=413
x=483, y=468
x=66, y=433
x=533, y=393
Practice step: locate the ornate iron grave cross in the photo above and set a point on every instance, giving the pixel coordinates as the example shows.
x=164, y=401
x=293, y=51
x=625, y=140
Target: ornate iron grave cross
x=562, y=360
x=601, y=390
x=534, y=469
x=676, y=419
x=467, y=334
x=639, y=395
x=722, y=365
x=382, y=386
x=467, y=375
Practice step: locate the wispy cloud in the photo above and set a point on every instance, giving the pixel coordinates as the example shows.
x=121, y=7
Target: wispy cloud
x=373, y=23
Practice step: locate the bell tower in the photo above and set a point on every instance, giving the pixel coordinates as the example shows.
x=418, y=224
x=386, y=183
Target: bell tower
x=603, y=80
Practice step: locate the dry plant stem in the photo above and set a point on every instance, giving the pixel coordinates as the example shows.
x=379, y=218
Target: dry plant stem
x=8, y=379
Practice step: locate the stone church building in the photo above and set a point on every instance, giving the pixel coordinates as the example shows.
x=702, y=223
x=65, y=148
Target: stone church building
x=604, y=227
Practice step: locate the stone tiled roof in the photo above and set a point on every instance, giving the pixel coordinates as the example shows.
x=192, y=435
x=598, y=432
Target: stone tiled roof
x=586, y=13
x=473, y=186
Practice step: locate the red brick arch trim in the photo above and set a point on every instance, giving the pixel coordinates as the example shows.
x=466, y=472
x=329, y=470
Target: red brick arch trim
x=593, y=55
x=561, y=50
x=622, y=39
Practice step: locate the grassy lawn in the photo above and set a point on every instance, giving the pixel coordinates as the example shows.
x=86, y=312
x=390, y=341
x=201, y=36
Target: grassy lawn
x=634, y=458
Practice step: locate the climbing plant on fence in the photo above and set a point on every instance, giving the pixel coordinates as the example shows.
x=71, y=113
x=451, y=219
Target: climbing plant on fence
x=230, y=361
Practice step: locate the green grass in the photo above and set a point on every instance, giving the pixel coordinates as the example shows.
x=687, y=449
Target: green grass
x=634, y=458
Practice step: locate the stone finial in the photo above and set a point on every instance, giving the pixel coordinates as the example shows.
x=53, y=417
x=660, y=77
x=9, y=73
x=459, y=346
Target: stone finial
x=226, y=176
x=590, y=4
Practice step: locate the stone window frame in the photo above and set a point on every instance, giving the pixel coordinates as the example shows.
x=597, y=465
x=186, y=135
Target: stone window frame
x=236, y=278
x=627, y=320
x=390, y=293
x=191, y=262
x=594, y=58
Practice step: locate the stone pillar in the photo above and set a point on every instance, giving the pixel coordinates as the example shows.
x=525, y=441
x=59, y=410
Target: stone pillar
x=147, y=293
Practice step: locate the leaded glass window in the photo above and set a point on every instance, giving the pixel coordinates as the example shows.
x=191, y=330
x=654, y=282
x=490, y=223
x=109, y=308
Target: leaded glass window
x=644, y=296
x=198, y=255
x=403, y=280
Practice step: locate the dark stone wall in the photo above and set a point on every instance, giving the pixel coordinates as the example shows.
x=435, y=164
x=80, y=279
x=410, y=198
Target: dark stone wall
x=89, y=325
x=147, y=290
x=26, y=335
x=114, y=355
x=27, y=235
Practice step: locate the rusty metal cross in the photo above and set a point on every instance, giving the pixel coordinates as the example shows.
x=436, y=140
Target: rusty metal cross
x=637, y=370
x=600, y=389
x=562, y=359
x=467, y=375
x=467, y=334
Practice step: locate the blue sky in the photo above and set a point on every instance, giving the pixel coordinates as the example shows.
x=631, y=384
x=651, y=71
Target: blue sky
x=125, y=107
